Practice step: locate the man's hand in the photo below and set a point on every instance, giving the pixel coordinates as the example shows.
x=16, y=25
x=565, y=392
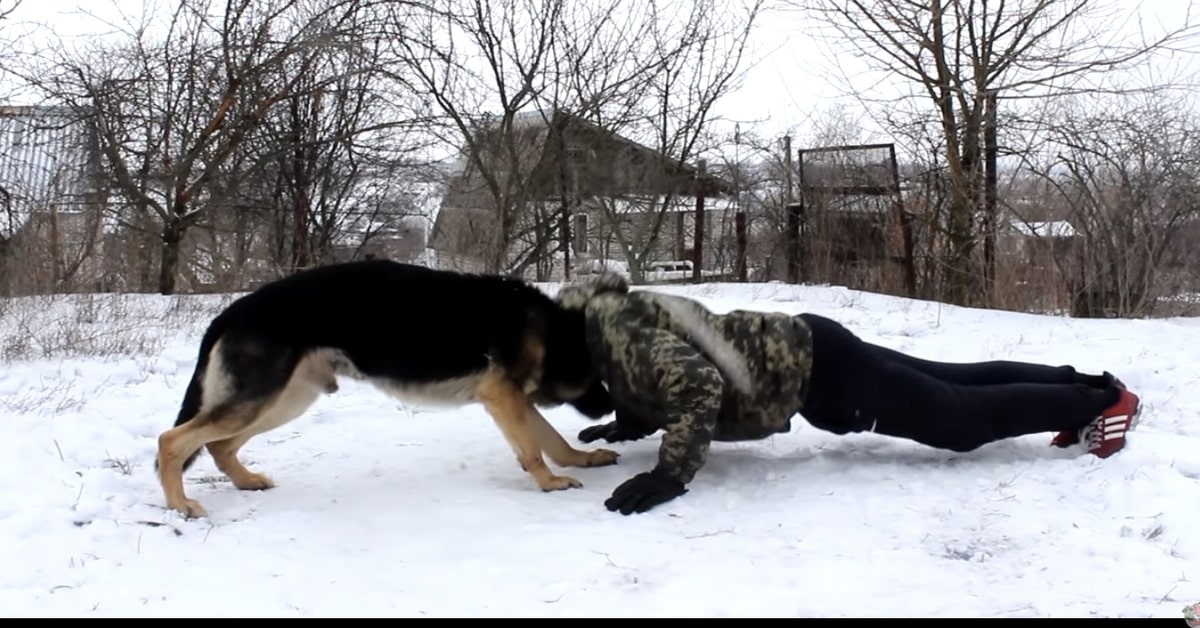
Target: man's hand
x=643, y=492
x=611, y=432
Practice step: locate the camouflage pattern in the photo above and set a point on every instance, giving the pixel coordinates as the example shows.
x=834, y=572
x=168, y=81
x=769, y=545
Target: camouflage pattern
x=671, y=364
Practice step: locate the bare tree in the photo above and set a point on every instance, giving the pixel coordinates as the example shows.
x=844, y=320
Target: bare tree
x=765, y=188
x=6, y=52
x=675, y=70
x=340, y=157
x=1126, y=175
x=507, y=77
x=7, y=43
x=176, y=96
x=967, y=56
x=481, y=64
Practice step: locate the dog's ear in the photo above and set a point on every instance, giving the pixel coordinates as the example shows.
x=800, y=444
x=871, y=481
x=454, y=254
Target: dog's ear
x=595, y=402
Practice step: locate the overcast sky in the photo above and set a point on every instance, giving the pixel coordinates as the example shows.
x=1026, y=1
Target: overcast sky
x=794, y=79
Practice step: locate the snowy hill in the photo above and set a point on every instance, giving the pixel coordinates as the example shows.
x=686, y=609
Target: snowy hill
x=388, y=510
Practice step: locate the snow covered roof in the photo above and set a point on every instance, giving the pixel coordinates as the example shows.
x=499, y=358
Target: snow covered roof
x=44, y=160
x=1046, y=229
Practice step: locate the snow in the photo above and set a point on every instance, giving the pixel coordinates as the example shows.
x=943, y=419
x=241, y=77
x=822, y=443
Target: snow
x=1053, y=229
x=387, y=510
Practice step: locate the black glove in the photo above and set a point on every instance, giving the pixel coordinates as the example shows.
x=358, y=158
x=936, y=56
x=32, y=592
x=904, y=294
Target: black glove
x=611, y=432
x=644, y=491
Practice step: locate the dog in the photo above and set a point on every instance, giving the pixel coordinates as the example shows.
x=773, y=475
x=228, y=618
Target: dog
x=421, y=335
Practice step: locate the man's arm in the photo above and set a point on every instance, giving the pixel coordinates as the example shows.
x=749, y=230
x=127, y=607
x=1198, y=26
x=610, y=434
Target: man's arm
x=688, y=390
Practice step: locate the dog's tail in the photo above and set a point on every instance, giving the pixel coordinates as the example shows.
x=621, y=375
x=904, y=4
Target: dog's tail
x=195, y=389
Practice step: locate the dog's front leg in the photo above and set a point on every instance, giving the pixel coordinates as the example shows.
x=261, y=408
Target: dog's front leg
x=560, y=451
x=507, y=404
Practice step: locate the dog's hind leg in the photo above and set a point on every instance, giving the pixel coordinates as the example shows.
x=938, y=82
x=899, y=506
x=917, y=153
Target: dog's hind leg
x=559, y=450
x=312, y=376
x=180, y=443
x=224, y=454
x=508, y=406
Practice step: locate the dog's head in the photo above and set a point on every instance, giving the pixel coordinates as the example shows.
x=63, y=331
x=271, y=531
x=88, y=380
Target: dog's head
x=568, y=374
x=571, y=376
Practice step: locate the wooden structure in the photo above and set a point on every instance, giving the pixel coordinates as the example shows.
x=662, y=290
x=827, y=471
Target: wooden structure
x=850, y=226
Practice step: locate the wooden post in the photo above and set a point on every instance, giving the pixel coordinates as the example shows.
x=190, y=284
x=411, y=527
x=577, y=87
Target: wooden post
x=565, y=234
x=739, y=234
x=787, y=170
x=680, y=245
x=701, y=189
x=791, y=234
x=792, y=242
x=906, y=231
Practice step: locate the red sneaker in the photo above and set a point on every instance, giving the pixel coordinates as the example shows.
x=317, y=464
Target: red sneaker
x=1106, y=435
x=1066, y=439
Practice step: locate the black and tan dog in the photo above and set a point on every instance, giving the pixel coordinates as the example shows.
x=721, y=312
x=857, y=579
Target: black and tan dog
x=422, y=335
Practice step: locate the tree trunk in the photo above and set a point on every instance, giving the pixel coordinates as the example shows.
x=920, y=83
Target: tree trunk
x=698, y=247
x=962, y=282
x=739, y=235
x=300, y=185
x=636, y=274
x=55, y=250
x=990, y=198
x=168, y=267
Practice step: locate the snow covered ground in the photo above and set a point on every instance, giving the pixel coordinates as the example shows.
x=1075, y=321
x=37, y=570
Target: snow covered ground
x=388, y=510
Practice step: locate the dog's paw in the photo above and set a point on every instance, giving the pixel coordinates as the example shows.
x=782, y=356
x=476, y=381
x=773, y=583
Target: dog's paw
x=253, y=482
x=601, y=458
x=559, y=483
x=190, y=508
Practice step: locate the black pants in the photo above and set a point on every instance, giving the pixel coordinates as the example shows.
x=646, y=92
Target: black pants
x=857, y=386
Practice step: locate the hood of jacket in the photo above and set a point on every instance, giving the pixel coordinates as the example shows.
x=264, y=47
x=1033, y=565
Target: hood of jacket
x=575, y=296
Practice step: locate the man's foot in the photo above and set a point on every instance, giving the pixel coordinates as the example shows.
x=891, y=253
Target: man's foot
x=1106, y=435
x=1066, y=439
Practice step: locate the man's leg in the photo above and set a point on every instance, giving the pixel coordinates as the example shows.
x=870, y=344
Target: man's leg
x=910, y=404
x=854, y=388
x=994, y=371
x=984, y=373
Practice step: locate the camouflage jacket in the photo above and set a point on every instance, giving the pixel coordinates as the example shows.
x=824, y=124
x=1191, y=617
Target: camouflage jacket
x=671, y=364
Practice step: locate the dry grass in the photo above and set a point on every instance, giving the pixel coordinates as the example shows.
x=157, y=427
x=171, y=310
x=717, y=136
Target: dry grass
x=89, y=325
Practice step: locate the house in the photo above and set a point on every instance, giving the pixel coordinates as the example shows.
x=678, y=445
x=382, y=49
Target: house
x=548, y=179
x=400, y=239
x=51, y=196
x=1040, y=243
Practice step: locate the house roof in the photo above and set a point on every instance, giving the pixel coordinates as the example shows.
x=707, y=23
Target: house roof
x=1051, y=229
x=45, y=159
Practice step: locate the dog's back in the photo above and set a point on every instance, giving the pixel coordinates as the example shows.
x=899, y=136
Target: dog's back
x=379, y=311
